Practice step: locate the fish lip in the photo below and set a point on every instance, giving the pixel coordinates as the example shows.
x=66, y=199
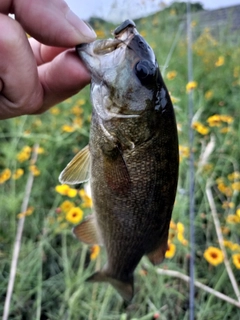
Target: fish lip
x=122, y=36
x=126, y=24
x=106, y=46
x=99, y=47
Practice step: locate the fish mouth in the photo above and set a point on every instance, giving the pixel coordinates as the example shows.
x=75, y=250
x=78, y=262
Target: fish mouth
x=122, y=36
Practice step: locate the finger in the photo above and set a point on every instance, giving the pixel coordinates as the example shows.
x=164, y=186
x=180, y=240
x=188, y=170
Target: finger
x=62, y=78
x=44, y=53
x=50, y=22
x=18, y=71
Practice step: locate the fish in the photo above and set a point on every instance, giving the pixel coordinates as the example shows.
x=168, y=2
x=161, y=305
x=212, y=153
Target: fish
x=131, y=160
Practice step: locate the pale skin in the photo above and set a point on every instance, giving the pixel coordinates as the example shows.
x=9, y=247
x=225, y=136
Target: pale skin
x=38, y=72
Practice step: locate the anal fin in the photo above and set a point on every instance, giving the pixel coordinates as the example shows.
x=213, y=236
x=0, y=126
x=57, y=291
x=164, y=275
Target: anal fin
x=157, y=256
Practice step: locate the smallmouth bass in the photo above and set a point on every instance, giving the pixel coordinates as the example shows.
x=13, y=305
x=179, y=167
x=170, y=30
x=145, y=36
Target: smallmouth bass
x=132, y=157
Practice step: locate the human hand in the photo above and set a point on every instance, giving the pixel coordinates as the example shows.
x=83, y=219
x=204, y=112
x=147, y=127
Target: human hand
x=39, y=72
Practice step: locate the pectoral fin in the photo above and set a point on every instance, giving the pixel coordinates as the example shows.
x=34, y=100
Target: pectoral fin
x=77, y=170
x=87, y=231
x=124, y=288
x=116, y=173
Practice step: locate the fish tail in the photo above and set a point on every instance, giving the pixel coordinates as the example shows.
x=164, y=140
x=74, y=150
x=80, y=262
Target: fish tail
x=124, y=288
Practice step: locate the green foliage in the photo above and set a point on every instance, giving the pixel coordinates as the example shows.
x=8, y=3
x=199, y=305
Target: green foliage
x=53, y=265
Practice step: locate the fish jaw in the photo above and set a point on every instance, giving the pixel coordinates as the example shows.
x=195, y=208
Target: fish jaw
x=124, y=71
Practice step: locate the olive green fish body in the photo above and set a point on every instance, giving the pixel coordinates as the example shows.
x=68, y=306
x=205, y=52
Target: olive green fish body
x=133, y=156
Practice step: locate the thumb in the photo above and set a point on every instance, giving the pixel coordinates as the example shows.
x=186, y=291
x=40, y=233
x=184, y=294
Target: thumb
x=52, y=22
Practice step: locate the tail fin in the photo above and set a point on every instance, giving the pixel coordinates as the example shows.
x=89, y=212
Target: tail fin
x=124, y=288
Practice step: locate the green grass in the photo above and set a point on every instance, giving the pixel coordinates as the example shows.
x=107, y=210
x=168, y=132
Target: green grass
x=53, y=265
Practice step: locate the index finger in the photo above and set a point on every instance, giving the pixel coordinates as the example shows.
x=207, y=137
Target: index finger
x=50, y=22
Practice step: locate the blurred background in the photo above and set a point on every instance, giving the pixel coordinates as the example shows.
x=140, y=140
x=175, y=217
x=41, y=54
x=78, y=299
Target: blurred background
x=53, y=265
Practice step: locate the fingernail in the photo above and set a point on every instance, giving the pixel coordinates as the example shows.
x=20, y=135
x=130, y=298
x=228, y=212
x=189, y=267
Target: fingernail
x=84, y=30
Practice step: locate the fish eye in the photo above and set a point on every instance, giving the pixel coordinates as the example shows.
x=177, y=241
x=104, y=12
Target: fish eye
x=146, y=72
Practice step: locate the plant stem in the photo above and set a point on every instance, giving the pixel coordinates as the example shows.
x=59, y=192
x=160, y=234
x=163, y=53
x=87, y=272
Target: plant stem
x=198, y=284
x=220, y=240
x=17, y=244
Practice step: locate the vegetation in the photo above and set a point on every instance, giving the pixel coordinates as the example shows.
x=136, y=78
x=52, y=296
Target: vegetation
x=53, y=265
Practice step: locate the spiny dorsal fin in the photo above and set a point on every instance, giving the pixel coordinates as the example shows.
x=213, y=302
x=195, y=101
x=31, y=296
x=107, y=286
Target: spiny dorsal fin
x=77, y=170
x=87, y=231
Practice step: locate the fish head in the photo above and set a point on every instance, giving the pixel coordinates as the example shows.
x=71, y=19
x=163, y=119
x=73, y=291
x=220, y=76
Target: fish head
x=124, y=72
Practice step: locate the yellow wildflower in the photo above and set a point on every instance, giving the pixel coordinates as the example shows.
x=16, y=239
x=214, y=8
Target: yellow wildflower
x=236, y=186
x=233, y=219
x=17, y=174
x=55, y=111
x=65, y=190
x=184, y=151
x=66, y=206
x=232, y=246
x=170, y=250
x=81, y=102
x=224, y=189
x=225, y=130
x=74, y=215
x=180, y=234
x=100, y=33
x=174, y=99
x=226, y=118
x=143, y=33
x=77, y=122
x=40, y=150
x=173, y=225
x=77, y=110
x=225, y=230
x=238, y=213
x=236, y=260
x=34, y=169
x=67, y=128
x=5, y=175
x=200, y=128
x=220, y=61
x=214, y=121
x=236, y=72
x=227, y=205
x=87, y=201
x=208, y=95
x=191, y=85
x=72, y=193
x=180, y=227
x=213, y=255
x=26, y=213
x=62, y=189
x=171, y=75
x=24, y=154
x=181, y=238
x=234, y=176
x=94, y=252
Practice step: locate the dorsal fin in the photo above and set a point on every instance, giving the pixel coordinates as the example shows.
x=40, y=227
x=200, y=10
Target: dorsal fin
x=77, y=170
